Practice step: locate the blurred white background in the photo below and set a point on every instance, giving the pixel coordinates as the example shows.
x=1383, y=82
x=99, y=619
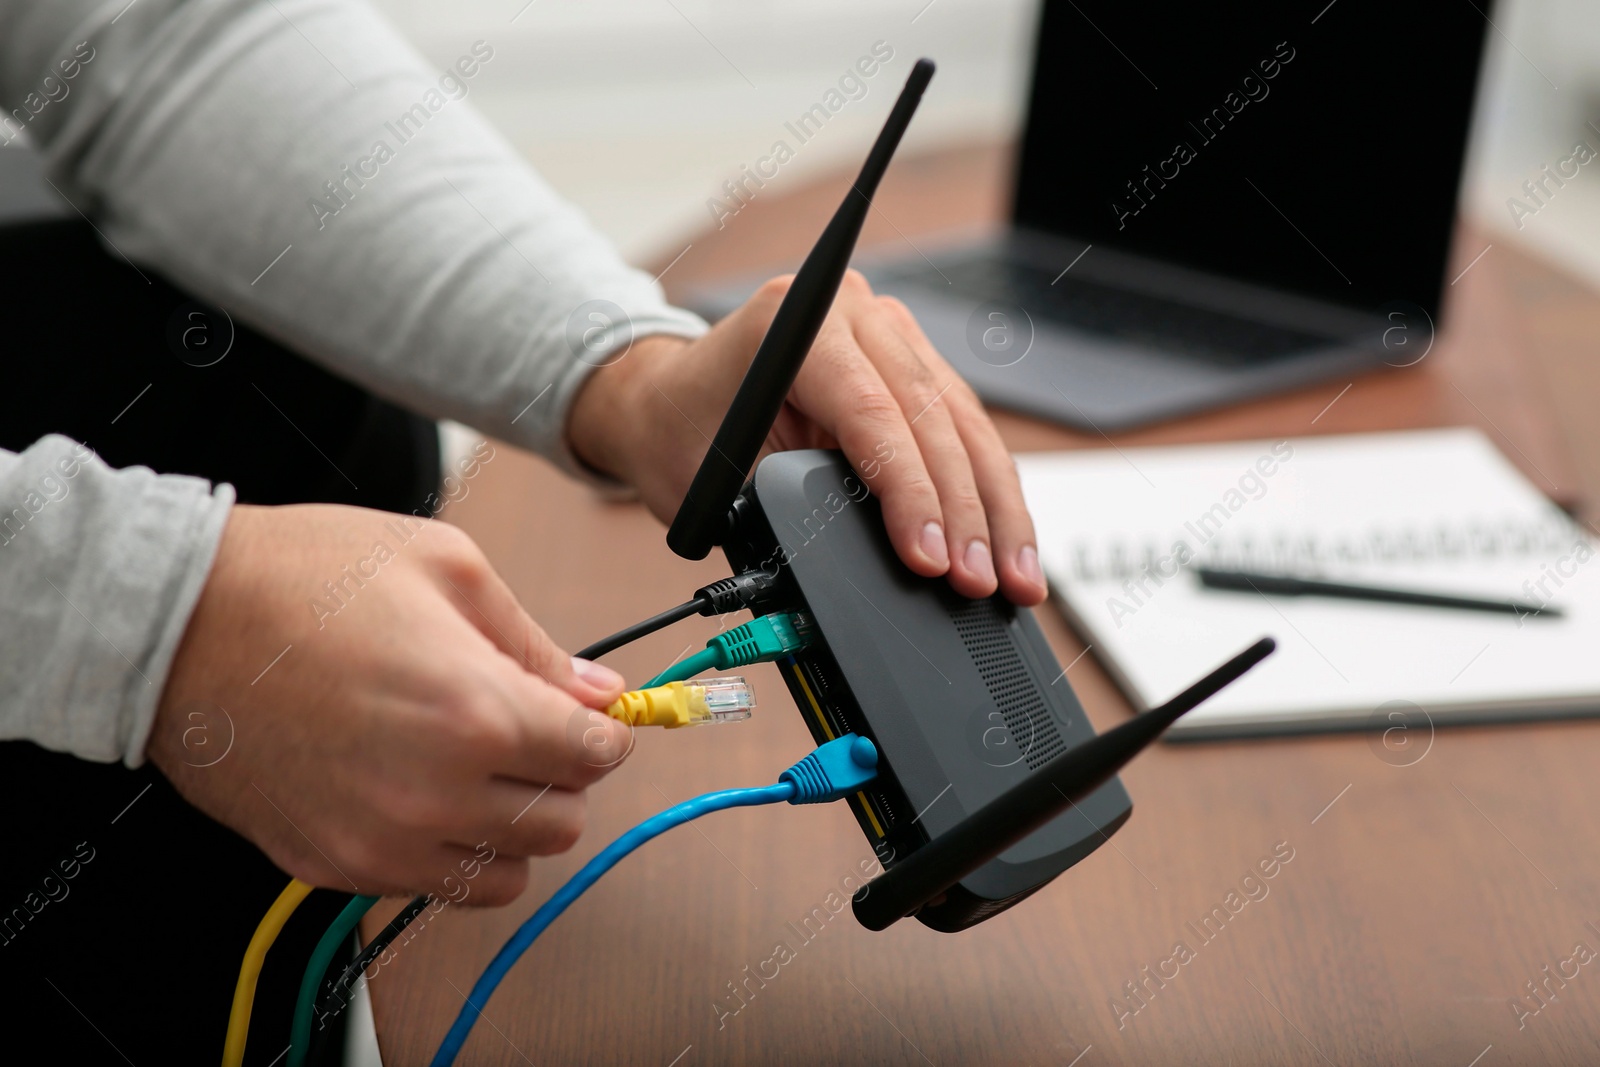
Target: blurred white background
x=1540, y=97
x=638, y=110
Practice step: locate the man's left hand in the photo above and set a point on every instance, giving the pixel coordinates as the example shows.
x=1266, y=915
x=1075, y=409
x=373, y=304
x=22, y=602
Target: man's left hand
x=872, y=386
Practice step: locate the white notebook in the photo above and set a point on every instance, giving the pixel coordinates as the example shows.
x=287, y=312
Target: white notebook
x=1120, y=531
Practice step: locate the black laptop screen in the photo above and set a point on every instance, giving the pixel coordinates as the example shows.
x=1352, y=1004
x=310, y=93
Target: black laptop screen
x=1313, y=147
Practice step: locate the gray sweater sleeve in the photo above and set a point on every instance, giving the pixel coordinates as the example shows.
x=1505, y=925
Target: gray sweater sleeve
x=298, y=165
x=99, y=570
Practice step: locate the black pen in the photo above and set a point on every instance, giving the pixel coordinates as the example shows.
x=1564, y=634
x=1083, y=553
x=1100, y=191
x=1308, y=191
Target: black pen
x=1282, y=585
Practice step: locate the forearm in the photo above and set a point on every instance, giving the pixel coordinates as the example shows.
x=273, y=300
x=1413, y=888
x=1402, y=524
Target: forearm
x=99, y=571
x=297, y=164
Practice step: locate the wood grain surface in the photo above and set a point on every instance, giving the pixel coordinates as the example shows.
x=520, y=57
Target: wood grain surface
x=1419, y=902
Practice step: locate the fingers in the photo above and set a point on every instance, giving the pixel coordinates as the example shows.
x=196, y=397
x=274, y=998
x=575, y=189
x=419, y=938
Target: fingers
x=1010, y=526
x=504, y=816
x=512, y=724
x=483, y=876
x=1017, y=557
x=527, y=819
x=875, y=383
x=941, y=449
x=447, y=871
x=420, y=841
x=529, y=715
x=844, y=393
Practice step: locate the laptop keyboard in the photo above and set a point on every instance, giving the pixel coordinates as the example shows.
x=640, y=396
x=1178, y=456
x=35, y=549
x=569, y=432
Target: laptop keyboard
x=1120, y=314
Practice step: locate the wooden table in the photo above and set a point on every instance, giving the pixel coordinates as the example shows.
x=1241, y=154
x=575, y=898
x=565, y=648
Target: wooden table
x=1418, y=903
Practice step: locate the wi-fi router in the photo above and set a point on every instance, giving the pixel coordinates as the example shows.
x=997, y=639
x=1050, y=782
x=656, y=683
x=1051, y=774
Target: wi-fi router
x=991, y=780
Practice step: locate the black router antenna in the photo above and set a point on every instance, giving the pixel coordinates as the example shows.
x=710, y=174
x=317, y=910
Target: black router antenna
x=702, y=519
x=1028, y=805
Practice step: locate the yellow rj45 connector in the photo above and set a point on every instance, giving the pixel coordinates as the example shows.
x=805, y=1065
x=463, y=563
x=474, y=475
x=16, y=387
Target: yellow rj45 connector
x=677, y=704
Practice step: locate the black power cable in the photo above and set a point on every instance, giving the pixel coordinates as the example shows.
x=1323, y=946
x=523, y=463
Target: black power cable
x=338, y=994
x=730, y=594
x=640, y=629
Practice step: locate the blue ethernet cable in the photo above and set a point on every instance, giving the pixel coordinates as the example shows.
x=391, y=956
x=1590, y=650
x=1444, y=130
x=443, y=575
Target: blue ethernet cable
x=832, y=771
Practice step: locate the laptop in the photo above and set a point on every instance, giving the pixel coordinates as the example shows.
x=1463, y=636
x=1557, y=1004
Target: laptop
x=1211, y=202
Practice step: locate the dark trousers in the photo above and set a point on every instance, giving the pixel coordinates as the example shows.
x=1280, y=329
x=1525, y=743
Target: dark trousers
x=134, y=957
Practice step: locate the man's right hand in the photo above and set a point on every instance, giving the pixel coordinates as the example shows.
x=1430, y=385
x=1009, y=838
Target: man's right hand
x=415, y=714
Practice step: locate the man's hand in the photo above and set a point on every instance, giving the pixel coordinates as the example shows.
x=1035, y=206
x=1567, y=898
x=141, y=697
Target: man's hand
x=873, y=386
x=415, y=712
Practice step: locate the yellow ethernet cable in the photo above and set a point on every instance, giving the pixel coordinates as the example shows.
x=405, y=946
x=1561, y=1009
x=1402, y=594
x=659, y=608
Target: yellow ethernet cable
x=255, y=955
x=678, y=704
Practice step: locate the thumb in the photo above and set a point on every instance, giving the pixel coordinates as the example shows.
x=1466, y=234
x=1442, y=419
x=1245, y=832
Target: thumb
x=593, y=684
x=492, y=608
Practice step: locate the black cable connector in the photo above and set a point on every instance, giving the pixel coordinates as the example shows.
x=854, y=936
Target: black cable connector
x=751, y=590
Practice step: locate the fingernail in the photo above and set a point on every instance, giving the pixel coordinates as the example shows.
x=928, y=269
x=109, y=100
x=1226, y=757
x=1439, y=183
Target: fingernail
x=597, y=675
x=978, y=561
x=933, y=545
x=1028, y=564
